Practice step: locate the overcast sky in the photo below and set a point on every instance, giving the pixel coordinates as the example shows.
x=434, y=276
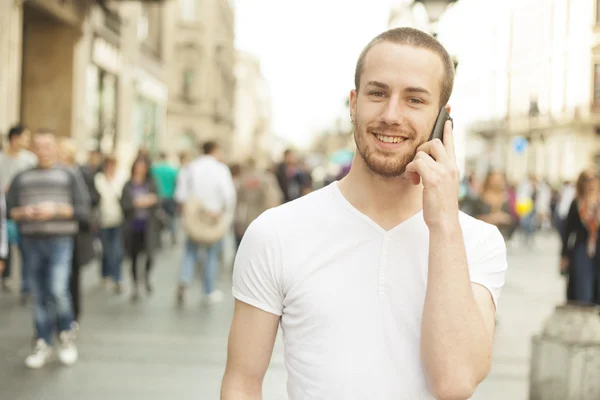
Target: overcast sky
x=308, y=51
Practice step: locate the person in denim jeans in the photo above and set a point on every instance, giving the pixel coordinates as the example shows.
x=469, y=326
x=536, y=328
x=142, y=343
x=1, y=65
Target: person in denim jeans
x=207, y=179
x=48, y=202
x=109, y=183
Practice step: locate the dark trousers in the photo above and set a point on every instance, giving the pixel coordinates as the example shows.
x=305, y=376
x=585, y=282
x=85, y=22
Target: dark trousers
x=7, y=264
x=8, y=268
x=74, y=286
x=583, y=277
x=138, y=245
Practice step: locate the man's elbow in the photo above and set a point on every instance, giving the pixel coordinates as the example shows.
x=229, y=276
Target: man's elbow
x=239, y=387
x=454, y=390
x=460, y=386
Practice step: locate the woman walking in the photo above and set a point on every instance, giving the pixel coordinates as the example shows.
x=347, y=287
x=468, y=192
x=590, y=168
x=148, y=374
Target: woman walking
x=141, y=227
x=579, y=256
x=493, y=205
x=110, y=186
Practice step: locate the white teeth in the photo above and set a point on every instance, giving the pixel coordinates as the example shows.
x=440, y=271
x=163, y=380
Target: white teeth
x=389, y=139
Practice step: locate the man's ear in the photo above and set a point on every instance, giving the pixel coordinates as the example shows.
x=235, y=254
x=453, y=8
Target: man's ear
x=352, y=104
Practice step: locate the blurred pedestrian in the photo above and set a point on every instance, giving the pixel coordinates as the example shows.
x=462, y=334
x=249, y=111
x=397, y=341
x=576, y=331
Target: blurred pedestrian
x=208, y=196
x=83, y=246
x=110, y=183
x=94, y=163
x=3, y=232
x=141, y=226
x=286, y=176
x=14, y=159
x=257, y=192
x=165, y=177
x=49, y=203
x=567, y=194
x=580, y=242
x=492, y=204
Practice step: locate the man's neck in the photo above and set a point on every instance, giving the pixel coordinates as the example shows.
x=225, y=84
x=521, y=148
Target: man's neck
x=46, y=166
x=387, y=201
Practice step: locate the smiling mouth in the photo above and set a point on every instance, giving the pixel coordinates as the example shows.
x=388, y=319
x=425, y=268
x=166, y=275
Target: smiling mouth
x=389, y=139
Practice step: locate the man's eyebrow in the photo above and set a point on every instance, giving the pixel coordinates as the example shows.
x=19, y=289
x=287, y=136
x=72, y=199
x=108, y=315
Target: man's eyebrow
x=417, y=89
x=378, y=84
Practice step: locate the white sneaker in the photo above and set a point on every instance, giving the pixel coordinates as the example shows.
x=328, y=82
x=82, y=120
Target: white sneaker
x=41, y=354
x=215, y=297
x=67, y=351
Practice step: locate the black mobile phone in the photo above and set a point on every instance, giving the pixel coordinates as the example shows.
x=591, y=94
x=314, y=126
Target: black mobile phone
x=438, y=128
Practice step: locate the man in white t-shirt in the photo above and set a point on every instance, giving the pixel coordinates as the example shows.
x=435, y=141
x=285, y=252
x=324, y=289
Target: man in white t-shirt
x=382, y=288
x=13, y=160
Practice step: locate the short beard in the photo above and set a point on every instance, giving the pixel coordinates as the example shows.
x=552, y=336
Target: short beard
x=384, y=165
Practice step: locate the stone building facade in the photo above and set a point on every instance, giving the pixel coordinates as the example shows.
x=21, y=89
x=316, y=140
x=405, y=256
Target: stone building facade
x=200, y=60
x=89, y=69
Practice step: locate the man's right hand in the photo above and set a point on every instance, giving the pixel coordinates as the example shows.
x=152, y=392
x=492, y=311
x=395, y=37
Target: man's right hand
x=23, y=213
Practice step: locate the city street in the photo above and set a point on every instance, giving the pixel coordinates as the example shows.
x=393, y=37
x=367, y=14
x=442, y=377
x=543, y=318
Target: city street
x=154, y=350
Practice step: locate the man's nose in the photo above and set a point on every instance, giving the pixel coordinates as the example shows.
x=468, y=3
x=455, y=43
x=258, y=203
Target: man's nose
x=392, y=111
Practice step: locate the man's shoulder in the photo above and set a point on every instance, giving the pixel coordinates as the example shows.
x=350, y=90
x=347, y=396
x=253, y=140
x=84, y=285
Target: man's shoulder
x=308, y=209
x=479, y=235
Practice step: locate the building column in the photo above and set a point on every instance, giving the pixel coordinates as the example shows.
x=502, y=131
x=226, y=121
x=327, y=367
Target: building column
x=11, y=36
x=82, y=51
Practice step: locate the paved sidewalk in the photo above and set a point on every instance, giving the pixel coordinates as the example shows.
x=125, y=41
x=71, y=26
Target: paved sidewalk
x=154, y=350
x=533, y=288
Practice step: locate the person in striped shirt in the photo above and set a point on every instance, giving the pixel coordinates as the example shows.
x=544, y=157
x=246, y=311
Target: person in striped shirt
x=49, y=202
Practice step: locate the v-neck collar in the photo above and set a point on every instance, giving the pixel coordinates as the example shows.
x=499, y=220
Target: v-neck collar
x=407, y=222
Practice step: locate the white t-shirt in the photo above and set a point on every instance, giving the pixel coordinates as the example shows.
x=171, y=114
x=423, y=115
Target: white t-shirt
x=350, y=294
x=209, y=180
x=10, y=166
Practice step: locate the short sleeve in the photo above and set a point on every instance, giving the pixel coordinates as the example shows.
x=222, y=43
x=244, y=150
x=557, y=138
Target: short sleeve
x=257, y=271
x=487, y=262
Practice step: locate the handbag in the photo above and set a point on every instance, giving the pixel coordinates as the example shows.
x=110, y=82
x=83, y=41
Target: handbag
x=201, y=226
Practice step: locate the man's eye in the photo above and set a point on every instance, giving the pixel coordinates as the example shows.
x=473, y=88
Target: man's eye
x=416, y=101
x=376, y=93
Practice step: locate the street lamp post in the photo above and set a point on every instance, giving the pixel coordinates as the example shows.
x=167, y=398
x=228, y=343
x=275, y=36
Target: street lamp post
x=435, y=9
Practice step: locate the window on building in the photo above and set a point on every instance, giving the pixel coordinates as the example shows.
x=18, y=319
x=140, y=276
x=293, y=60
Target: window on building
x=188, y=82
x=597, y=84
x=142, y=26
x=188, y=10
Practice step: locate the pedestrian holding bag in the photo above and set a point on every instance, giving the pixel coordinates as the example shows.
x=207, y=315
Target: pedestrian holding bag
x=201, y=226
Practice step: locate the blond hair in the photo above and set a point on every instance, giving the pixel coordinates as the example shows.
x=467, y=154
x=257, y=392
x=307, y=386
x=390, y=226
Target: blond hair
x=68, y=149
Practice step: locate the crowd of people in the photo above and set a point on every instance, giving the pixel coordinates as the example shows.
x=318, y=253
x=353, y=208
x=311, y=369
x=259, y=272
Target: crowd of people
x=54, y=212
x=571, y=210
x=58, y=216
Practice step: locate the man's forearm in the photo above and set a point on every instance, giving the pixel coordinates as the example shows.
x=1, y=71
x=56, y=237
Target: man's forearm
x=17, y=213
x=236, y=388
x=64, y=211
x=454, y=341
